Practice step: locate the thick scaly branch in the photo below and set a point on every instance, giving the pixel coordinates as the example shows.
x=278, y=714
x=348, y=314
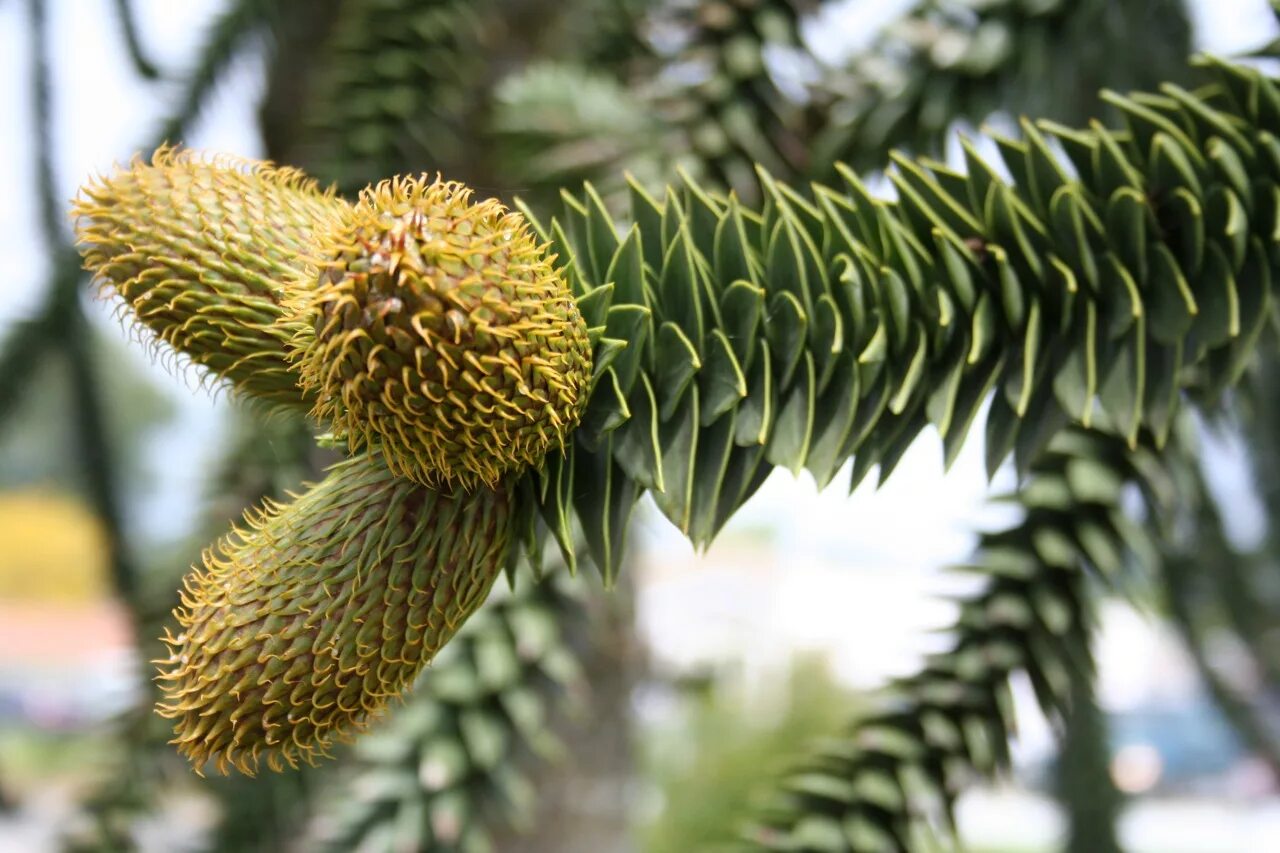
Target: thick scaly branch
x=945, y=61
x=898, y=770
x=396, y=89
x=814, y=330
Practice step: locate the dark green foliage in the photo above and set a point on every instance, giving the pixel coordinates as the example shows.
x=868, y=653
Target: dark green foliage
x=609, y=35
x=727, y=102
x=944, y=61
x=396, y=89
x=558, y=124
x=800, y=334
x=697, y=90
x=727, y=110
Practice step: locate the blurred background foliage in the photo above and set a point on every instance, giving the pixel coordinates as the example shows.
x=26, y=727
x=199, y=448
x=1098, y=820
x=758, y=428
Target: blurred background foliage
x=708, y=763
x=522, y=735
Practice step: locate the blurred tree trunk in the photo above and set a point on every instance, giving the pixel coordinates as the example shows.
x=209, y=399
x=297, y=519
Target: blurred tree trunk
x=1083, y=779
x=584, y=799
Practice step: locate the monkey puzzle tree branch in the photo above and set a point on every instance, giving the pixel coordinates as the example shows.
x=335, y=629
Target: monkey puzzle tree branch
x=63, y=326
x=128, y=22
x=407, y=109
x=941, y=62
x=814, y=330
x=892, y=779
x=698, y=349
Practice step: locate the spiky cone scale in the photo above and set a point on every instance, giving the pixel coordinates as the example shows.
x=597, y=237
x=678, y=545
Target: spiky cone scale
x=200, y=249
x=302, y=624
x=440, y=330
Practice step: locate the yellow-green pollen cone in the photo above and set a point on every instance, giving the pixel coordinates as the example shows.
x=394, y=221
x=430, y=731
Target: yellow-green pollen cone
x=199, y=249
x=301, y=625
x=439, y=331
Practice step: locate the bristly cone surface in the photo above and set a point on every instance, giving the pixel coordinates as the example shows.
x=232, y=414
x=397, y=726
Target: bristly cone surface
x=440, y=331
x=433, y=334
x=199, y=249
x=303, y=624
